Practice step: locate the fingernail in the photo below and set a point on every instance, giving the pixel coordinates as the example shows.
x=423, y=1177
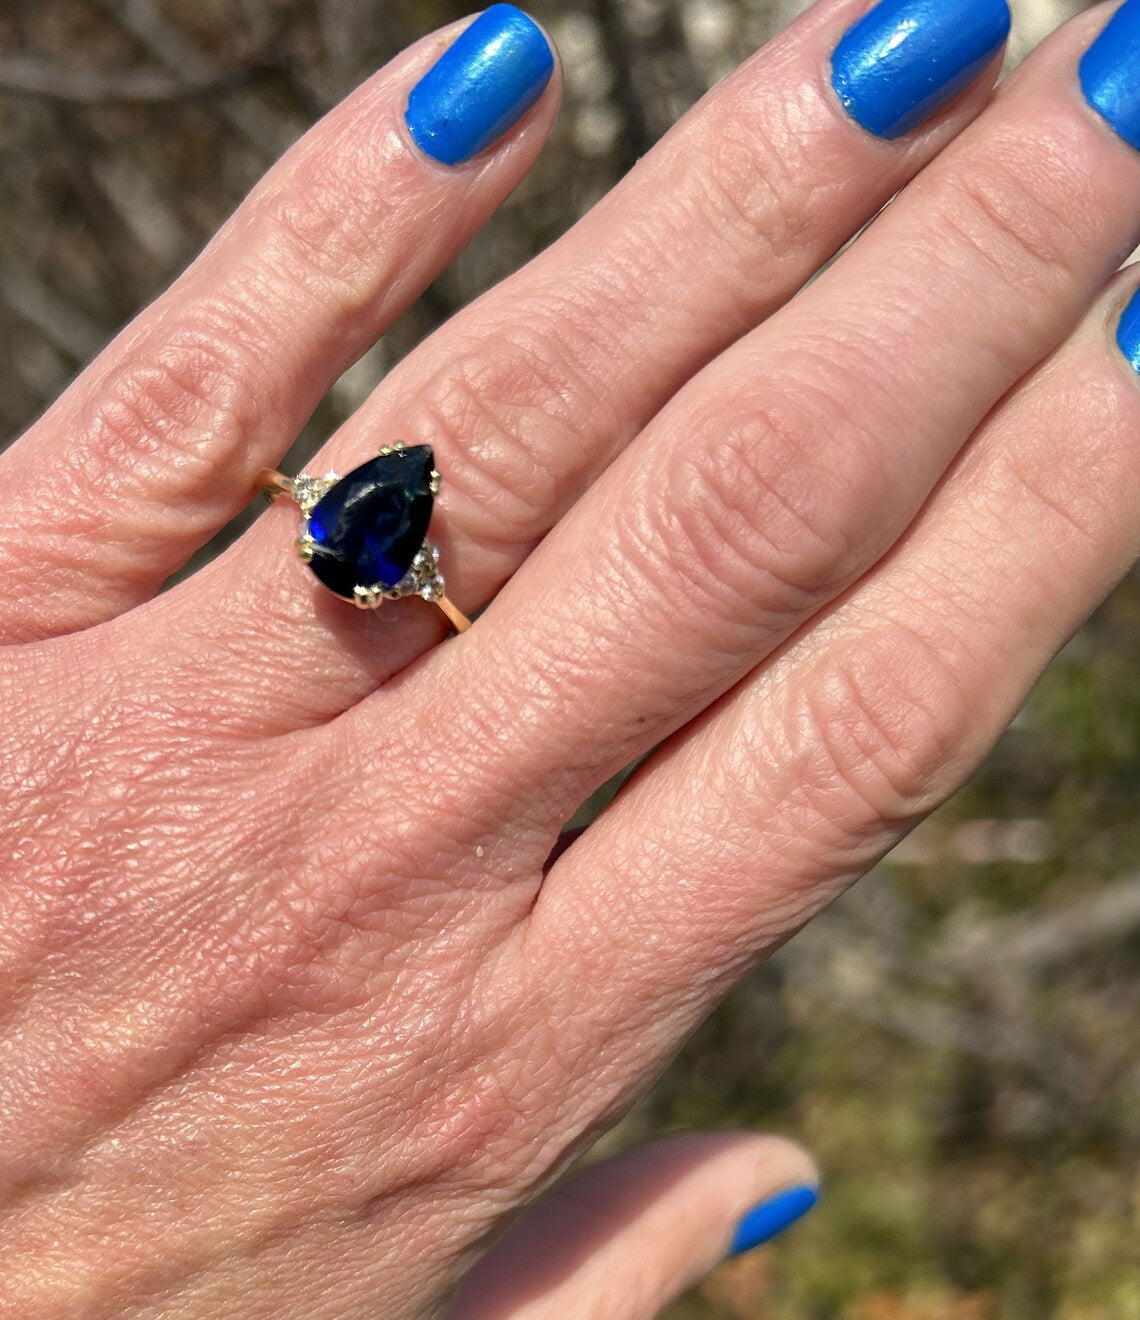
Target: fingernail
x=1128, y=331
x=483, y=83
x=905, y=58
x=764, y=1221
x=1110, y=72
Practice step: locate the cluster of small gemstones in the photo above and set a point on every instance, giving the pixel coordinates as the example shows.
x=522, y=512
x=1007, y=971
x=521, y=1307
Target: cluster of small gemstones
x=307, y=491
x=422, y=579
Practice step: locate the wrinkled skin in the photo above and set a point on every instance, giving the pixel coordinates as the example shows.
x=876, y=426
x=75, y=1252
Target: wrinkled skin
x=294, y=1015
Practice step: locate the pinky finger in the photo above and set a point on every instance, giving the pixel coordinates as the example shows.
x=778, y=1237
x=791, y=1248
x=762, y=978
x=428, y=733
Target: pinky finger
x=629, y=1234
x=751, y=819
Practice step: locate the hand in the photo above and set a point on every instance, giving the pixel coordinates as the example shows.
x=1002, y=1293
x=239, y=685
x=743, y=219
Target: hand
x=295, y=1015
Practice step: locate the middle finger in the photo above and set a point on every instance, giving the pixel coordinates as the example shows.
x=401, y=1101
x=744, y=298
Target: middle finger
x=791, y=464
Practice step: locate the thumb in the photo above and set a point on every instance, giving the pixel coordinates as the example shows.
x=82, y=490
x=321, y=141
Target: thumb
x=625, y=1236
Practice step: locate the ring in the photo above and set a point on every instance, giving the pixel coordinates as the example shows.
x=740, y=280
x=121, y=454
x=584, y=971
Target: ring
x=364, y=535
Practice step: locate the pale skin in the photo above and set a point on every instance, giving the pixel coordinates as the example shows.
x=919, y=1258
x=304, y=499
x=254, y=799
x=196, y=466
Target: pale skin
x=295, y=1018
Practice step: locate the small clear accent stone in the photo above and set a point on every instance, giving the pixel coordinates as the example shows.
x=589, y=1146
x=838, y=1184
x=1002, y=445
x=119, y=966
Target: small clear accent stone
x=308, y=491
x=433, y=588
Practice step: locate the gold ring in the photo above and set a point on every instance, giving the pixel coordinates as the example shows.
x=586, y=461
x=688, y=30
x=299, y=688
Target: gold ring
x=364, y=535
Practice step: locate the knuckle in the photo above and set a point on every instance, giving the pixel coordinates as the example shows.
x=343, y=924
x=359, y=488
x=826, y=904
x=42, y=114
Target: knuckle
x=753, y=186
x=169, y=415
x=517, y=1104
x=742, y=188
x=757, y=514
x=488, y=417
x=1015, y=215
x=1056, y=502
x=321, y=222
x=318, y=239
x=888, y=712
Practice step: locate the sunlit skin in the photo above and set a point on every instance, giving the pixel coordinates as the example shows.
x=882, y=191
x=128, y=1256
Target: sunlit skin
x=295, y=1017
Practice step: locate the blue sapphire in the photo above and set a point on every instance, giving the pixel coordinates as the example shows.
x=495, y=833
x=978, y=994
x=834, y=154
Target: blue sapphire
x=367, y=529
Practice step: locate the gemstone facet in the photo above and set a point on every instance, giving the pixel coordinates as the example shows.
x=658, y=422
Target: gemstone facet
x=365, y=532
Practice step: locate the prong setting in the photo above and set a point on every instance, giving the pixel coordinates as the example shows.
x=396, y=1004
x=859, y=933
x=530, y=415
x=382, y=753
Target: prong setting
x=368, y=598
x=309, y=491
x=368, y=526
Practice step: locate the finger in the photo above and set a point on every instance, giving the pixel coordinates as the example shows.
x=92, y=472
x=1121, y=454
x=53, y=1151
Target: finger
x=745, y=824
x=529, y=393
x=159, y=441
x=627, y=1235
x=790, y=465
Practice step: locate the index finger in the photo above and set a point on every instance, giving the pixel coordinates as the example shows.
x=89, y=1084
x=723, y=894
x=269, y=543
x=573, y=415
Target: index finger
x=158, y=443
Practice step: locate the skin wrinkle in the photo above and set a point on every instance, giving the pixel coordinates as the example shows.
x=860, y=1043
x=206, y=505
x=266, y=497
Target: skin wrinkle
x=276, y=1228
x=197, y=1057
x=594, y=249
x=562, y=560
x=685, y=516
x=323, y=319
x=474, y=1137
x=823, y=811
x=386, y=1060
x=1024, y=231
x=972, y=658
x=180, y=1272
x=64, y=903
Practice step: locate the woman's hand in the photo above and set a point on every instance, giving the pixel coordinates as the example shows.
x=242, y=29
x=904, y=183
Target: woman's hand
x=293, y=1019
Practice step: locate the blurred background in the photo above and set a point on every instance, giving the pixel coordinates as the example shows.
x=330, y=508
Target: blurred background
x=958, y=1040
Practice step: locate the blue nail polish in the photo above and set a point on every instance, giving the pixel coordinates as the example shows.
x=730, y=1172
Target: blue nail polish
x=1128, y=331
x=905, y=58
x=482, y=84
x=1110, y=72
x=770, y=1217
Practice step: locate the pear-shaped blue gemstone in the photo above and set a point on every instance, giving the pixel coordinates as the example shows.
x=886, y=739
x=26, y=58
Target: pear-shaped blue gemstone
x=369, y=527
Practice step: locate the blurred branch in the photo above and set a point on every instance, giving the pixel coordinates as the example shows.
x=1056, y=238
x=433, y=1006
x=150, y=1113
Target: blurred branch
x=152, y=223
x=876, y=913
x=981, y=1035
x=1038, y=941
x=162, y=40
x=974, y=991
x=28, y=75
x=61, y=324
x=637, y=137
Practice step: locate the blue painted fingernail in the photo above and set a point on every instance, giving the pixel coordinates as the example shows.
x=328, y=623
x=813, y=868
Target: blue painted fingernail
x=905, y=58
x=483, y=83
x=1128, y=331
x=1110, y=72
x=764, y=1221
